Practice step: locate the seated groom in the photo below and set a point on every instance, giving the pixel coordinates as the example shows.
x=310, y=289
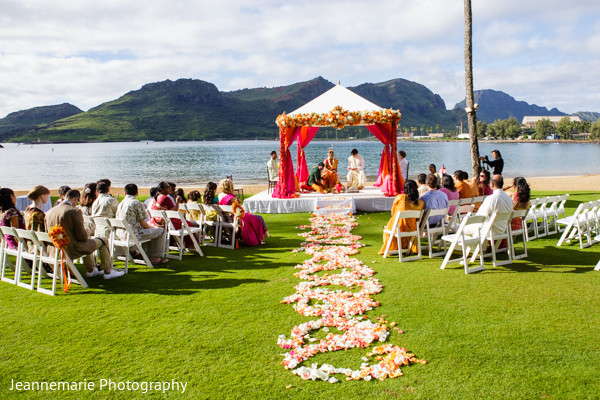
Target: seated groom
x=71, y=219
x=134, y=213
x=434, y=199
x=356, y=171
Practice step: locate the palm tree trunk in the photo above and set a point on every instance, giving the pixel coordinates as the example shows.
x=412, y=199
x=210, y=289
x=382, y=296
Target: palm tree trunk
x=471, y=117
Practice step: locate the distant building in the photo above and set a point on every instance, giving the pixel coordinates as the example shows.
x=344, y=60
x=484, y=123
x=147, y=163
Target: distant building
x=529, y=121
x=436, y=135
x=463, y=136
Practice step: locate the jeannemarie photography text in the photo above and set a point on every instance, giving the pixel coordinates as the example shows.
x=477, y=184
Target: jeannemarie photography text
x=102, y=384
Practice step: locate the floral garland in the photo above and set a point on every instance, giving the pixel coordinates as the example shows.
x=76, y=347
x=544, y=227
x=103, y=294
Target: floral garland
x=339, y=309
x=339, y=118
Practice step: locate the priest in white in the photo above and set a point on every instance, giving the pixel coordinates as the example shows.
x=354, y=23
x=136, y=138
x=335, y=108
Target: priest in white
x=356, y=171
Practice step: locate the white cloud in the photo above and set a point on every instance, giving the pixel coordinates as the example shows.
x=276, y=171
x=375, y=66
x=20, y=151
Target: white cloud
x=88, y=52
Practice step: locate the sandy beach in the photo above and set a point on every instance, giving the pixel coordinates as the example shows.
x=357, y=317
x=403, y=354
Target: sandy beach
x=549, y=183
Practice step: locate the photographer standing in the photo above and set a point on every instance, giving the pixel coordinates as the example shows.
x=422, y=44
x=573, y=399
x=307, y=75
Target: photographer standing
x=497, y=163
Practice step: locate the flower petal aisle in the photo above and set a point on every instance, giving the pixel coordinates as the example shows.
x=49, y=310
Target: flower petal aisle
x=331, y=244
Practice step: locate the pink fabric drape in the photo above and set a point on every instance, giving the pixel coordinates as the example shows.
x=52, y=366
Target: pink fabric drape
x=306, y=135
x=286, y=187
x=389, y=177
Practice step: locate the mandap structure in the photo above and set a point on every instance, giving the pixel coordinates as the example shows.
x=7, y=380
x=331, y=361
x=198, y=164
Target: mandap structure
x=337, y=108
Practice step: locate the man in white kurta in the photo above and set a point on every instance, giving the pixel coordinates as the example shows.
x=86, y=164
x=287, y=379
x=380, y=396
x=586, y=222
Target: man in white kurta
x=498, y=202
x=356, y=171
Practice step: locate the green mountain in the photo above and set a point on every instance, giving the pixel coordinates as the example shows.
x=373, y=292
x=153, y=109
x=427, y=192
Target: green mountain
x=189, y=109
x=26, y=120
x=495, y=105
x=588, y=115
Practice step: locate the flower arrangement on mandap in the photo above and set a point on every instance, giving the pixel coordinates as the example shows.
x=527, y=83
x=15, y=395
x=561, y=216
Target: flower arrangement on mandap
x=339, y=118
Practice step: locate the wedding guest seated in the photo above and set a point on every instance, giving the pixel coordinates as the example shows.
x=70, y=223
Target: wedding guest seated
x=484, y=183
x=88, y=196
x=153, y=192
x=10, y=216
x=133, y=211
x=314, y=178
x=104, y=206
x=62, y=191
x=450, y=190
x=180, y=196
x=434, y=199
x=194, y=197
x=209, y=197
x=464, y=190
x=521, y=197
x=34, y=216
x=210, y=194
x=329, y=173
x=472, y=183
x=80, y=245
x=407, y=201
x=253, y=226
x=164, y=201
x=499, y=202
x=356, y=171
x=421, y=184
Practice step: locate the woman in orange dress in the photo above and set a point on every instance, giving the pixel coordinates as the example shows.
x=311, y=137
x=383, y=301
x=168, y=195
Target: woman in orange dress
x=329, y=174
x=404, y=202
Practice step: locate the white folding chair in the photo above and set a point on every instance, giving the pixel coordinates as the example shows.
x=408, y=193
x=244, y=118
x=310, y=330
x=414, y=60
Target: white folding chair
x=551, y=214
x=130, y=240
x=194, y=207
x=531, y=221
x=593, y=221
x=180, y=234
x=518, y=214
x=597, y=267
x=210, y=227
x=576, y=225
x=561, y=204
x=470, y=234
x=396, y=234
x=541, y=213
x=227, y=223
x=25, y=238
x=7, y=251
x=460, y=212
x=55, y=261
x=433, y=232
x=495, y=239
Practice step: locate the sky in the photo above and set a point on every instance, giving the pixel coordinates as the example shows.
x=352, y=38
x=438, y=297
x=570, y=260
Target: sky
x=544, y=52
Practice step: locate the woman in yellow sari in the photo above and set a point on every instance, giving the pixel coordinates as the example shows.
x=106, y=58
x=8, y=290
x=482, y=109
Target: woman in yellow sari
x=404, y=202
x=329, y=174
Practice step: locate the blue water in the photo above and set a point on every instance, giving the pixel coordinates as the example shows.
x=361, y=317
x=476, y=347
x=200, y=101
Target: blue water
x=195, y=163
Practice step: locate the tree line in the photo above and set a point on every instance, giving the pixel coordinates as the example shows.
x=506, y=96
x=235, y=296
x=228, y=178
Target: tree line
x=564, y=129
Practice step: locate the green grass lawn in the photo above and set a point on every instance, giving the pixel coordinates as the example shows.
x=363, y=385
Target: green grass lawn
x=524, y=331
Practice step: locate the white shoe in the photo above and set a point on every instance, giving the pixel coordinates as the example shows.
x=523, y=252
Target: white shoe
x=93, y=272
x=114, y=274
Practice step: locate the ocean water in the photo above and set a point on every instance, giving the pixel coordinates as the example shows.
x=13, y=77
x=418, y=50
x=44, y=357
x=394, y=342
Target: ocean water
x=195, y=163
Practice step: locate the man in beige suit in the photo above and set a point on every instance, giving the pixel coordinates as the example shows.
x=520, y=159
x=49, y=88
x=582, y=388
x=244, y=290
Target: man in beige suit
x=71, y=219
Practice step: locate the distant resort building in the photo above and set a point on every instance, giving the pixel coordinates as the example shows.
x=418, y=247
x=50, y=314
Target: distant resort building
x=529, y=121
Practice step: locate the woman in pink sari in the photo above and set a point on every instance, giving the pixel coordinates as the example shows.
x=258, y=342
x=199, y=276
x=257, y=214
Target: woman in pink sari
x=254, y=229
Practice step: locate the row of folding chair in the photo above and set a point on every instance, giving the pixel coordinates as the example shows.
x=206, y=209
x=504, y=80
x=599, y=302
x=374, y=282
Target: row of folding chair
x=220, y=231
x=584, y=225
x=475, y=232
x=33, y=251
x=544, y=214
x=442, y=242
